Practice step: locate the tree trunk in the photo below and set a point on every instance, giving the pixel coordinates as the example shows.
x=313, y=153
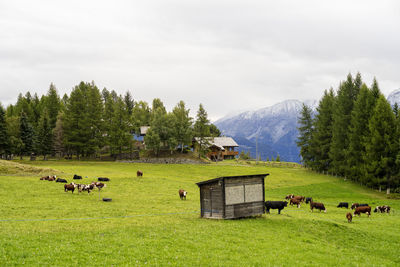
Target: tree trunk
x=388, y=190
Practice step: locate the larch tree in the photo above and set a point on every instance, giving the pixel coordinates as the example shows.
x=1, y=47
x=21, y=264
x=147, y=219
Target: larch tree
x=183, y=125
x=202, y=131
x=305, y=129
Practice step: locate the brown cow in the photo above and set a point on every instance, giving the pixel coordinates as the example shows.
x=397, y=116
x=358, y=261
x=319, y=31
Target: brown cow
x=139, y=173
x=182, y=194
x=45, y=178
x=295, y=202
x=70, y=187
x=289, y=196
x=317, y=205
x=362, y=209
x=52, y=178
x=98, y=185
x=349, y=217
x=355, y=205
x=300, y=198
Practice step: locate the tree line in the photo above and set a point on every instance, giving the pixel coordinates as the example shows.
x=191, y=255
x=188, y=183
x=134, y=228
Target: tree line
x=90, y=122
x=355, y=133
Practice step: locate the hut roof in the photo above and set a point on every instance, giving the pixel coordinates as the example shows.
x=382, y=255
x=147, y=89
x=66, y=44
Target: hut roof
x=221, y=142
x=230, y=177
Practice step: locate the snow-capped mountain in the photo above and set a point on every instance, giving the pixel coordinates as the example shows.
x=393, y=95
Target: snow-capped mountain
x=274, y=129
x=394, y=97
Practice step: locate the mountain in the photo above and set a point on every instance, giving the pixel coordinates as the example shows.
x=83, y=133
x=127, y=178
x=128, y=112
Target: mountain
x=394, y=97
x=271, y=130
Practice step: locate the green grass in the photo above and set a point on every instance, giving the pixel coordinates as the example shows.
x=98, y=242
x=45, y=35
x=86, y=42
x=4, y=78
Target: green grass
x=147, y=223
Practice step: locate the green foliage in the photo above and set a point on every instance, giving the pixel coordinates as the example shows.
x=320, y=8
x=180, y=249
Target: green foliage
x=202, y=131
x=182, y=130
x=214, y=131
x=4, y=137
x=152, y=141
x=58, y=135
x=119, y=132
x=26, y=134
x=141, y=115
x=305, y=135
x=45, y=137
x=278, y=158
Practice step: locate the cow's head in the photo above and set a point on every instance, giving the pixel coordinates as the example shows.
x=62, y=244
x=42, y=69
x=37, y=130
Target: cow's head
x=285, y=203
x=376, y=209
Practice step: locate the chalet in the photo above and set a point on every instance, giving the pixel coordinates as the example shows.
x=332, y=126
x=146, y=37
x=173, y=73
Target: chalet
x=221, y=148
x=232, y=197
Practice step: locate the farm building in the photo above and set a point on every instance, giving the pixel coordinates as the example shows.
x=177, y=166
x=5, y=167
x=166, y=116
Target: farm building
x=221, y=148
x=232, y=197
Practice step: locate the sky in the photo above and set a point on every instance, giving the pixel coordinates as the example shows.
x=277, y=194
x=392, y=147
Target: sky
x=227, y=55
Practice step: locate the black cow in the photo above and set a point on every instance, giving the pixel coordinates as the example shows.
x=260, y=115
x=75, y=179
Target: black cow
x=59, y=180
x=280, y=205
x=103, y=179
x=343, y=205
x=77, y=177
x=308, y=199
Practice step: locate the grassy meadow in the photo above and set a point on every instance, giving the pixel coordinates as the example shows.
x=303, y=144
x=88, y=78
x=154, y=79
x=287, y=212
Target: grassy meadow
x=147, y=224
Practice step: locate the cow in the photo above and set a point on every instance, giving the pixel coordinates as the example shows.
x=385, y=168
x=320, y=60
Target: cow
x=45, y=178
x=98, y=185
x=77, y=177
x=300, y=198
x=318, y=206
x=382, y=209
x=139, y=173
x=103, y=179
x=295, y=201
x=308, y=199
x=343, y=205
x=52, y=178
x=280, y=205
x=349, y=217
x=86, y=187
x=362, y=209
x=70, y=187
x=59, y=180
x=355, y=205
x=289, y=196
x=182, y=194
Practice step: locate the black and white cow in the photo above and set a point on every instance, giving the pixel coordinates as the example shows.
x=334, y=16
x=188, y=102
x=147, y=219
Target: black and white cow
x=279, y=205
x=382, y=209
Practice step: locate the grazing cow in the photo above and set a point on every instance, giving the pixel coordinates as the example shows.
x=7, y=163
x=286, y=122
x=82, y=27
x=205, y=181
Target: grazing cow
x=289, y=196
x=308, y=199
x=70, y=187
x=59, y=180
x=182, y=194
x=382, y=209
x=98, y=185
x=355, y=205
x=86, y=187
x=318, y=206
x=103, y=179
x=77, y=177
x=343, y=205
x=45, y=178
x=300, y=198
x=295, y=201
x=349, y=217
x=362, y=209
x=280, y=205
x=139, y=173
x=52, y=178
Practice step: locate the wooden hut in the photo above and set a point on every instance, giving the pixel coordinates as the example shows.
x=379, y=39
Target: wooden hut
x=232, y=197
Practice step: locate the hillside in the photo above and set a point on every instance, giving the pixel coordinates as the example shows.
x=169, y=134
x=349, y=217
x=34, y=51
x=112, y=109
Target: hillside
x=147, y=223
x=14, y=168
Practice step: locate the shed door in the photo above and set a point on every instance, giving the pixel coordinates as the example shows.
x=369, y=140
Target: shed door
x=206, y=207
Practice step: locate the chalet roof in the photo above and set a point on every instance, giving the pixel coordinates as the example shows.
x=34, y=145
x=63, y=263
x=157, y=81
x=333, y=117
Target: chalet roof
x=221, y=142
x=144, y=129
x=230, y=177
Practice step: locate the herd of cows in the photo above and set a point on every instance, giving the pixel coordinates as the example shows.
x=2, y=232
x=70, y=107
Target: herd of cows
x=297, y=200
x=80, y=187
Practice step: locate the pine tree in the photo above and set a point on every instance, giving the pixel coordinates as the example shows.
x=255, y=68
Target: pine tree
x=345, y=99
x=52, y=105
x=322, y=133
x=129, y=103
x=381, y=146
x=26, y=135
x=44, y=135
x=202, y=130
x=58, y=135
x=119, y=135
x=305, y=134
x=214, y=131
x=183, y=126
x=4, y=138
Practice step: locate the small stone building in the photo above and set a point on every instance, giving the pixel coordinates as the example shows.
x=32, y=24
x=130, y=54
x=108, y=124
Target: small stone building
x=232, y=197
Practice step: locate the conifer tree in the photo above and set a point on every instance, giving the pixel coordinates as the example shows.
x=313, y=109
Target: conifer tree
x=44, y=135
x=305, y=134
x=345, y=99
x=119, y=135
x=381, y=146
x=202, y=130
x=58, y=135
x=4, y=138
x=52, y=105
x=322, y=133
x=129, y=103
x=26, y=135
x=214, y=131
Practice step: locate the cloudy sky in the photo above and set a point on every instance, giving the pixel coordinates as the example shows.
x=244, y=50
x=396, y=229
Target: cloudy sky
x=228, y=55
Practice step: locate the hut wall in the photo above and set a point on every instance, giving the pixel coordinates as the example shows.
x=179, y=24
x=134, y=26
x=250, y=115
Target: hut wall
x=212, y=205
x=244, y=197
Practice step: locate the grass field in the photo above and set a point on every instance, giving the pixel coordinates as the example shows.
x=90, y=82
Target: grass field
x=147, y=223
